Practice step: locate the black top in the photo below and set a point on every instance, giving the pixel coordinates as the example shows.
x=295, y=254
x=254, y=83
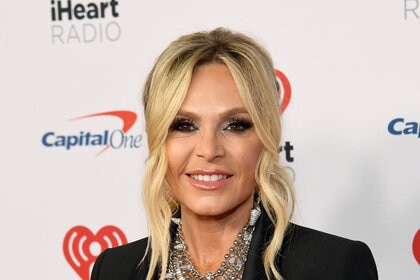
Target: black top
x=305, y=254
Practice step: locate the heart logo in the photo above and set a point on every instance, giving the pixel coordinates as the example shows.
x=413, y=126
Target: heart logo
x=81, y=247
x=416, y=246
x=285, y=91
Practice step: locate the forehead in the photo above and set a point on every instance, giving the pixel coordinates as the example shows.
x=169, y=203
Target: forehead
x=212, y=87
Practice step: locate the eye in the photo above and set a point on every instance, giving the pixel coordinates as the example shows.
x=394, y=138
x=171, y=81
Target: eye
x=183, y=125
x=237, y=125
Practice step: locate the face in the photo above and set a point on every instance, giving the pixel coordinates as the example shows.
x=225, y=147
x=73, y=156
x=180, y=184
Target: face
x=213, y=148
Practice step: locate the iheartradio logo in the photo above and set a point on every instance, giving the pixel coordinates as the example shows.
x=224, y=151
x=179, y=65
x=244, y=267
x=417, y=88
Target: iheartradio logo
x=285, y=92
x=81, y=246
x=416, y=246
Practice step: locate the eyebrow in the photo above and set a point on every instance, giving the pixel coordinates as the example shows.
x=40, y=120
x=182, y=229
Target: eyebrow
x=230, y=112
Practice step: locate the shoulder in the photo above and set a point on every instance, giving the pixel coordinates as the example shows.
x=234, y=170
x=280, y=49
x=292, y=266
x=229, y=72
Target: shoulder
x=119, y=262
x=307, y=252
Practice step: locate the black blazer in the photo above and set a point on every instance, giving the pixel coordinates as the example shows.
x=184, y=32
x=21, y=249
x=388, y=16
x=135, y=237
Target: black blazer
x=305, y=254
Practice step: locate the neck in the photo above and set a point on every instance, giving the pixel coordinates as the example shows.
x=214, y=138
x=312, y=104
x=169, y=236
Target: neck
x=203, y=258
x=208, y=239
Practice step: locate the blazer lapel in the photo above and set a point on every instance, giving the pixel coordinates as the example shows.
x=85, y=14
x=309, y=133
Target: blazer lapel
x=140, y=272
x=254, y=266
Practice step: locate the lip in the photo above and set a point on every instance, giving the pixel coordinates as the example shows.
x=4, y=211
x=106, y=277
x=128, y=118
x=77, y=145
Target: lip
x=209, y=185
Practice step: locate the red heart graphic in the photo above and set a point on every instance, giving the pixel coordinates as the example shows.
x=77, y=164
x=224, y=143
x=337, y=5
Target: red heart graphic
x=285, y=94
x=79, y=246
x=416, y=246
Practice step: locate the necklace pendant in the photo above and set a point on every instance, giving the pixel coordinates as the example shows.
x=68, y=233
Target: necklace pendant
x=209, y=276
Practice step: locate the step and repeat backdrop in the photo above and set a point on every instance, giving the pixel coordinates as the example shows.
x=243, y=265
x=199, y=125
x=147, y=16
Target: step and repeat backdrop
x=73, y=146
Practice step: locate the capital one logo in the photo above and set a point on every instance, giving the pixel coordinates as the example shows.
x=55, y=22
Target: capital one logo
x=81, y=246
x=116, y=138
x=399, y=126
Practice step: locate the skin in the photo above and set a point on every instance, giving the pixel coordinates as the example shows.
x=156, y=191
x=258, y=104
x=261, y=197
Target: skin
x=212, y=135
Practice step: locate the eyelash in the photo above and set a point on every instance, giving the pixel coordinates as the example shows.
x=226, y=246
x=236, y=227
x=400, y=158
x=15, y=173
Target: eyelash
x=183, y=125
x=235, y=125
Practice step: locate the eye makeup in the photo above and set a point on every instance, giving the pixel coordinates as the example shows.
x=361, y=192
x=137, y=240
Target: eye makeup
x=237, y=125
x=181, y=124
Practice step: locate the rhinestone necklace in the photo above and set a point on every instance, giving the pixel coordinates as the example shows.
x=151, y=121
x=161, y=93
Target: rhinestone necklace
x=181, y=268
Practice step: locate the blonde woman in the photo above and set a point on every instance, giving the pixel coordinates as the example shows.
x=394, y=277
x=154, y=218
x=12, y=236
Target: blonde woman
x=218, y=203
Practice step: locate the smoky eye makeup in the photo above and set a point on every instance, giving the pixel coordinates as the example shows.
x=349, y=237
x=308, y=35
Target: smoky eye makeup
x=185, y=125
x=237, y=125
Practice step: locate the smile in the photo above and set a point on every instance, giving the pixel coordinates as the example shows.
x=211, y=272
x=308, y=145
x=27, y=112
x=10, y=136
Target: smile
x=208, y=178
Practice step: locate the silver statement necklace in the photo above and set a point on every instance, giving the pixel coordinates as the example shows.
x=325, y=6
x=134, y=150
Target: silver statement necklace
x=181, y=268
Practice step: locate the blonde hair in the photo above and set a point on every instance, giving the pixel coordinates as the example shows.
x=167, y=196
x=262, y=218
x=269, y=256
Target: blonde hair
x=164, y=92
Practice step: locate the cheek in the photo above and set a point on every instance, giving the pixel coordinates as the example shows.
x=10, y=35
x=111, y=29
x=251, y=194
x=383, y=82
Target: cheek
x=248, y=156
x=177, y=153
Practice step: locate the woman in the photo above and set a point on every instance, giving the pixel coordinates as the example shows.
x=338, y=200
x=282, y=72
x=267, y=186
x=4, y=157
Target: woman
x=218, y=203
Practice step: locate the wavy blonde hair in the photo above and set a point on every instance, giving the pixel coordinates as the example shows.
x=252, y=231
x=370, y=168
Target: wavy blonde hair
x=164, y=92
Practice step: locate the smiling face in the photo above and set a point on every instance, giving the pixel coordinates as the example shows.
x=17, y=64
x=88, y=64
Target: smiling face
x=212, y=148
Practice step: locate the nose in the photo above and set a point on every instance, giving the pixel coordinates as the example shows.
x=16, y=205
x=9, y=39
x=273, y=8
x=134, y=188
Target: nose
x=210, y=146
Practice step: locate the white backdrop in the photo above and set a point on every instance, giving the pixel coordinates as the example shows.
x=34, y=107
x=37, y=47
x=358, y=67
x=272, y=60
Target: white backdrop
x=353, y=67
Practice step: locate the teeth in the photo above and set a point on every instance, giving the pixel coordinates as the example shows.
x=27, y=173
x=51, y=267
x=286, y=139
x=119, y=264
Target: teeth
x=208, y=178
